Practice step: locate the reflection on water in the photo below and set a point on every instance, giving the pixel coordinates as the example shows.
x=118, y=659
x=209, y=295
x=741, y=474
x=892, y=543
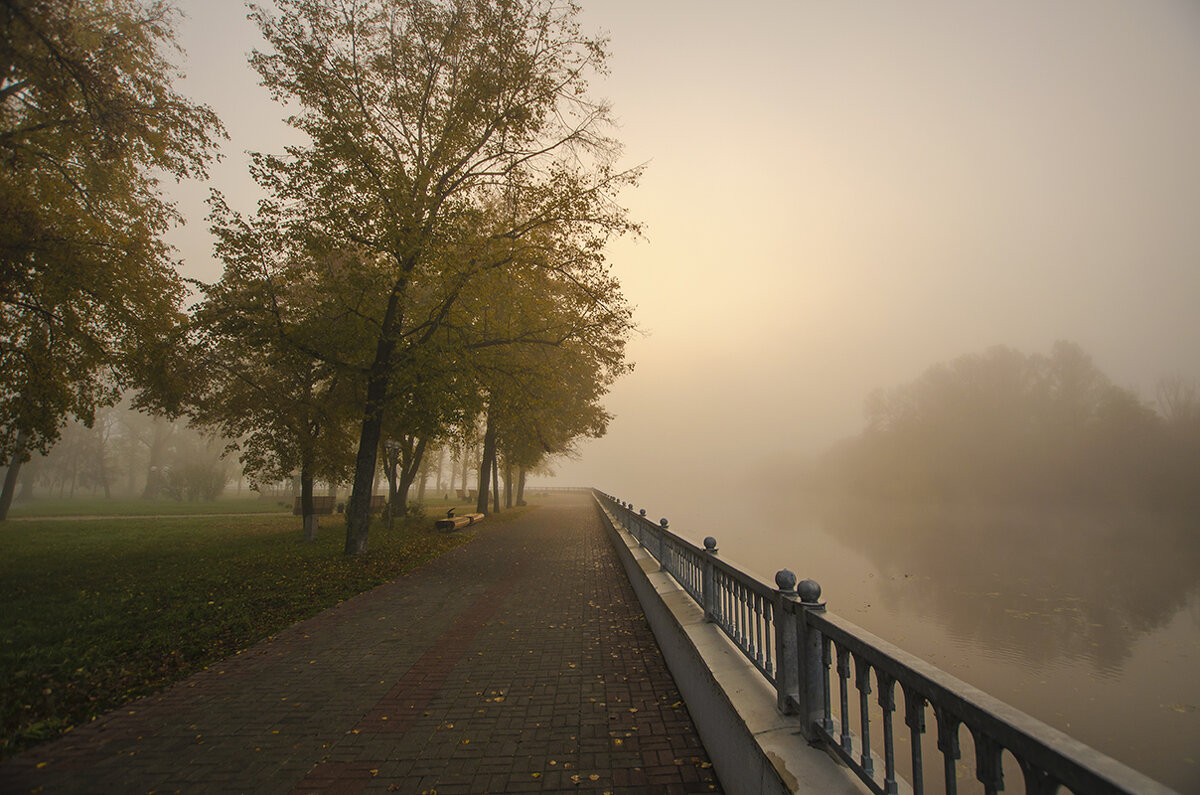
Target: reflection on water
x=1063, y=584
x=1089, y=622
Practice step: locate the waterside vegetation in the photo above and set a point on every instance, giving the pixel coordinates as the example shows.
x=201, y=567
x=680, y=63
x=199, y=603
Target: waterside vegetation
x=1007, y=428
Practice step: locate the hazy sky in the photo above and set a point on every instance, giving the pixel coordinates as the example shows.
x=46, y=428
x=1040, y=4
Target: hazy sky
x=840, y=194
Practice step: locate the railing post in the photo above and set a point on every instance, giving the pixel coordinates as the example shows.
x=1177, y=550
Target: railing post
x=706, y=578
x=662, y=538
x=811, y=703
x=787, y=673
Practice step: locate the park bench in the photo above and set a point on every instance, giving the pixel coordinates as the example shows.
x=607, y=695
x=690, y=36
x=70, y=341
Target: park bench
x=322, y=506
x=452, y=523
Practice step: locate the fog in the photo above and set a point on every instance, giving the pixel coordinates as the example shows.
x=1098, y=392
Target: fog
x=842, y=194
x=838, y=196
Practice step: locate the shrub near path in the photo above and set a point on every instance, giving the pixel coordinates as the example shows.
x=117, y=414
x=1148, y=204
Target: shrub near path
x=99, y=612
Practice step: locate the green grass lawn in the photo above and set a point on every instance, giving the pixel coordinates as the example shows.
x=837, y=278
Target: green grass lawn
x=250, y=502
x=97, y=612
x=134, y=506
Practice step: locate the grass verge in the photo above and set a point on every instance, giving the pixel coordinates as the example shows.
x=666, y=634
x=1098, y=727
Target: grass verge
x=134, y=506
x=99, y=612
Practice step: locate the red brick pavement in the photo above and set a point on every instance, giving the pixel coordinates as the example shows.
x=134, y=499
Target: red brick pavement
x=518, y=663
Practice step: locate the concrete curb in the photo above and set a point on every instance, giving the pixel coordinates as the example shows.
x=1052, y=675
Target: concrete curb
x=754, y=748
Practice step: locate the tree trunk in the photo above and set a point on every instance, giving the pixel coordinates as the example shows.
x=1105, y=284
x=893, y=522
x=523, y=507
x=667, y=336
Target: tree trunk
x=102, y=434
x=485, y=465
x=10, y=486
x=391, y=457
x=131, y=484
x=408, y=472
x=521, y=486
x=104, y=478
x=10, y=478
x=306, y=503
x=508, y=485
x=465, y=466
x=28, y=479
x=495, y=482
x=358, y=510
x=160, y=433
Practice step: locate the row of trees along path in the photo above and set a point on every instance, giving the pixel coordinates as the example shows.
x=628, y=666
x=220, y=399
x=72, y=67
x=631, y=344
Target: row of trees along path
x=431, y=258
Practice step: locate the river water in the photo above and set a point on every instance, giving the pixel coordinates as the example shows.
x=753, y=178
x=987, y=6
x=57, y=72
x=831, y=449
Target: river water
x=1088, y=621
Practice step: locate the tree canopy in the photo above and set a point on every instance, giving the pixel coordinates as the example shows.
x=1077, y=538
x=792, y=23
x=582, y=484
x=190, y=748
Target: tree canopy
x=449, y=141
x=288, y=411
x=1006, y=425
x=89, y=124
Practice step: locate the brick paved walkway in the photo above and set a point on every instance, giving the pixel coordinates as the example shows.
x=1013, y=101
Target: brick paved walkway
x=518, y=663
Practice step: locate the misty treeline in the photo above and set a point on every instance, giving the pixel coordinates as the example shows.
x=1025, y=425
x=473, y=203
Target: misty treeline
x=128, y=453
x=428, y=263
x=1006, y=426
x=89, y=294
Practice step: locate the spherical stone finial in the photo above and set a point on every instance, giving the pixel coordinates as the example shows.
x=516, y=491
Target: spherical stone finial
x=810, y=591
x=663, y=523
x=642, y=512
x=710, y=544
x=785, y=581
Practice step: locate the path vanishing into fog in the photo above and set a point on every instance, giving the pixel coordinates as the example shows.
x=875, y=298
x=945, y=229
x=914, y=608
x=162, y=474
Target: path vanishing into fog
x=520, y=662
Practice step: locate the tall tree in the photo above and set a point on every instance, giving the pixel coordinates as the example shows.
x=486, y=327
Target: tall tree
x=565, y=342
x=423, y=117
x=425, y=411
x=89, y=123
x=289, y=411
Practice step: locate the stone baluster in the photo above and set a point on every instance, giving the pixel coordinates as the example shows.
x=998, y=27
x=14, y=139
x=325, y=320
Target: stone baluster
x=787, y=649
x=814, y=678
x=707, y=586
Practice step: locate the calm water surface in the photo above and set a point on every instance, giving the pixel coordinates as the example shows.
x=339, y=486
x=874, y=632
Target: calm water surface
x=1088, y=622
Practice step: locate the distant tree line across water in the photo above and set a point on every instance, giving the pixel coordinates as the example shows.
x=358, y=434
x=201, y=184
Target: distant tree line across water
x=1003, y=425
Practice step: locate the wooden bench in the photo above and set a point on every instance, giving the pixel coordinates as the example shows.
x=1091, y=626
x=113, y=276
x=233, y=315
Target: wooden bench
x=451, y=523
x=322, y=506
